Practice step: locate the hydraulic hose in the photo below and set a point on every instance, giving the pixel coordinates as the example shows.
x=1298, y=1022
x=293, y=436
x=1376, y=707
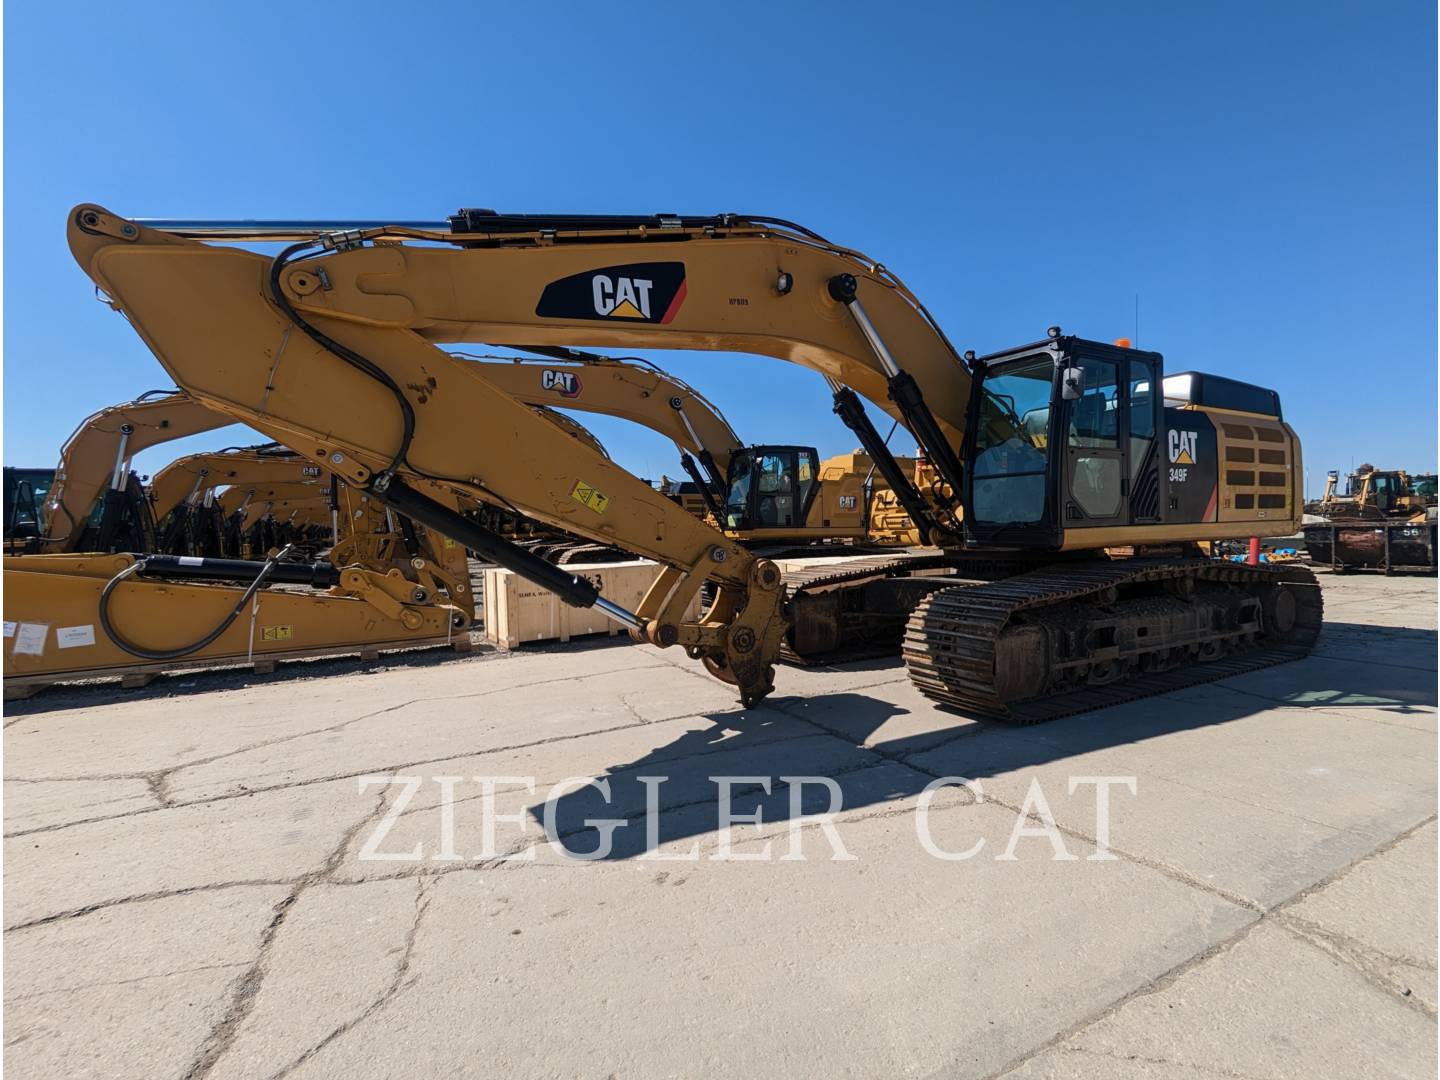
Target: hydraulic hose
x=185, y=650
x=350, y=356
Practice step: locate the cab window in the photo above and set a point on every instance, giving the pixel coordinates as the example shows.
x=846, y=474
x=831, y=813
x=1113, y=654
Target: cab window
x=1093, y=440
x=1008, y=485
x=771, y=488
x=1095, y=419
x=737, y=500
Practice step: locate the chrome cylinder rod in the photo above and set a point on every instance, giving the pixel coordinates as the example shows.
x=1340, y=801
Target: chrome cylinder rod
x=283, y=230
x=873, y=337
x=190, y=499
x=117, y=478
x=679, y=407
x=618, y=613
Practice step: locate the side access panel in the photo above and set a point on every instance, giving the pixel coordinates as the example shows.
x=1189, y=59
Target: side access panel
x=1192, y=468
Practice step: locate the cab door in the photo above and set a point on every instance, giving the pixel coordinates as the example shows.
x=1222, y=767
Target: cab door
x=1112, y=465
x=1144, y=402
x=1096, y=455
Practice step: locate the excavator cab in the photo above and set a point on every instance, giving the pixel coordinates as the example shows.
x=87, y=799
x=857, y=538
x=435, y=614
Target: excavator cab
x=1065, y=441
x=1062, y=435
x=771, y=487
x=25, y=491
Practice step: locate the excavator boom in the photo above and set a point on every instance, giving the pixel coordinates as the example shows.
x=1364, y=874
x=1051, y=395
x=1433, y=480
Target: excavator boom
x=380, y=405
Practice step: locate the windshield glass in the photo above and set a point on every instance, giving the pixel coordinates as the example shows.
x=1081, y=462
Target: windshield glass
x=1009, y=477
x=25, y=491
x=737, y=502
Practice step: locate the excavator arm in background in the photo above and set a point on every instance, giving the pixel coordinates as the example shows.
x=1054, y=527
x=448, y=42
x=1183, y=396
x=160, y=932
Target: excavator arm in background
x=283, y=486
x=187, y=480
x=630, y=389
x=95, y=460
x=843, y=506
x=250, y=504
x=573, y=428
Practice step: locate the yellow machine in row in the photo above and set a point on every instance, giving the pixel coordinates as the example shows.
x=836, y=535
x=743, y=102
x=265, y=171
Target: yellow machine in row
x=761, y=494
x=1049, y=454
x=386, y=582
x=95, y=502
x=1376, y=494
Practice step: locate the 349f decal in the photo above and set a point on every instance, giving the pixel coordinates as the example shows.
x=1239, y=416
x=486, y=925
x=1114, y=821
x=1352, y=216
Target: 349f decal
x=635, y=292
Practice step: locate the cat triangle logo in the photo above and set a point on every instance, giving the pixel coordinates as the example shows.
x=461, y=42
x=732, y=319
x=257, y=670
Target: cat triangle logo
x=625, y=310
x=1183, y=447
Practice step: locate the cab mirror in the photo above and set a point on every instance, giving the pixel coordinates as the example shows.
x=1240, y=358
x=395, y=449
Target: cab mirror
x=1072, y=383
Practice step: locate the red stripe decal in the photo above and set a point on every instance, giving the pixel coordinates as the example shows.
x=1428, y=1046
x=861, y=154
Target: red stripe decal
x=1210, y=506
x=674, y=307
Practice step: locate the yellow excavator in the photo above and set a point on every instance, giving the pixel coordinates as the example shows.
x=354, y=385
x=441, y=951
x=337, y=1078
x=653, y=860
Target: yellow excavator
x=95, y=502
x=387, y=583
x=752, y=492
x=1050, y=454
x=265, y=516
x=304, y=506
x=184, y=495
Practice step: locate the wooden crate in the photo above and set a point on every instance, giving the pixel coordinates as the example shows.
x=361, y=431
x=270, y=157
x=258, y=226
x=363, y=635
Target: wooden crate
x=517, y=611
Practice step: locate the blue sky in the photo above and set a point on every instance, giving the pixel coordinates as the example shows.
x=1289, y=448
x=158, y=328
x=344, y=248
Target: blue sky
x=1261, y=174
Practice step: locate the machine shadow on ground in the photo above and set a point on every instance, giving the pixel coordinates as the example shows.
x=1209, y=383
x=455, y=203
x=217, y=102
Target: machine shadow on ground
x=756, y=743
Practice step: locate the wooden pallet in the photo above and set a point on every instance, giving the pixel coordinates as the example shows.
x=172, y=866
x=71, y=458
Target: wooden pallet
x=19, y=687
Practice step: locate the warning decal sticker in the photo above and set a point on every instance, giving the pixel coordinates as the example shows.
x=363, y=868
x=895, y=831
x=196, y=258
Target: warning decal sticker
x=586, y=495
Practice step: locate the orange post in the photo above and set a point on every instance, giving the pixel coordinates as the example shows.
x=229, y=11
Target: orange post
x=1254, y=559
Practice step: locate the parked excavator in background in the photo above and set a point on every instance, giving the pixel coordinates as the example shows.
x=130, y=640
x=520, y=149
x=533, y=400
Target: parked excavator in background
x=97, y=503
x=190, y=516
x=1049, y=455
x=752, y=493
x=390, y=583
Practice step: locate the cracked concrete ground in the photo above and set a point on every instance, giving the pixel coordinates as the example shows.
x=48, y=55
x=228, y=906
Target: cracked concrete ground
x=190, y=886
